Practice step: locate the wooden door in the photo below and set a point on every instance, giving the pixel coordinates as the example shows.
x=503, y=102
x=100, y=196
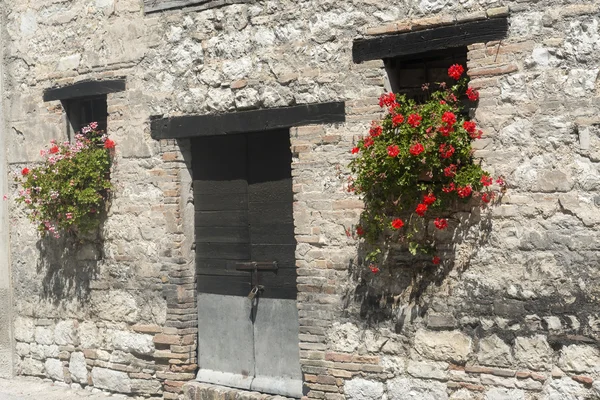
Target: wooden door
x=243, y=201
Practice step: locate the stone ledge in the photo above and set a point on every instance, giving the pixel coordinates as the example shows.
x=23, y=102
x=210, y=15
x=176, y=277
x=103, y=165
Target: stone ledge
x=411, y=25
x=203, y=391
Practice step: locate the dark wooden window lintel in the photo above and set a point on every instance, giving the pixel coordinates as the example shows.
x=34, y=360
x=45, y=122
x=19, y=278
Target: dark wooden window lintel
x=247, y=121
x=443, y=37
x=84, y=89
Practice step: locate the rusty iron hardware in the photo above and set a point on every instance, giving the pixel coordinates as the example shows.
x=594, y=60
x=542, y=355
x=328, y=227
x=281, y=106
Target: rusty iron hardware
x=256, y=290
x=257, y=266
x=254, y=267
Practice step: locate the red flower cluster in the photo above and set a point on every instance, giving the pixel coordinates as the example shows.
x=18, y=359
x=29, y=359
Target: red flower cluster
x=375, y=130
x=464, y=191
x=450, y=171
x=393, y=151
x=455, y=71
x=429, y=199
x=360, y=231
x=387, y=100
x=486, y=197
x=446, y=130
x=416, y=149
x=486, y=180
x=469, y=126
x=436, y=260
x=374, y=269
x=414, y=120
x=397, y=120
x=25, y=171
x=368, y=142
x=54, y=149
x=450, y=188
x=397, y=223
x=476, y=135
x=441, y=223
x=355, y=150
x=421, y=209
x=109, y=144
x=446, y=150
x=472, y=94
x=449, y=118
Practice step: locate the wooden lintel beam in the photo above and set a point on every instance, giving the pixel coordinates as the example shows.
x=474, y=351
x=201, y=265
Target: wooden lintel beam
x=443, y=37
x=84, y=89
x=247, y=121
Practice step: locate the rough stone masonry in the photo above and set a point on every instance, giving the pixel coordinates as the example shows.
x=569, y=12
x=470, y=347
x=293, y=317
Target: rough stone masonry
x=517, y=316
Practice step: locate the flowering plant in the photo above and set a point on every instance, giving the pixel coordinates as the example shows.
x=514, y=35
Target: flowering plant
x=71, y=186
x=415, y=164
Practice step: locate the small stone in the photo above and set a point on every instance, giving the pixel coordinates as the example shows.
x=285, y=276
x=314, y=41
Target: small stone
x=78, y=367
x=428, y=370
x=54, y=369
x=116, y=381
x=415, y=389
x=579, y=358
x=586, y=380
x=65, y=333
x=361, y=389
x=494, y=351
x=443, y=346
x=533, y=352
x=497, y=12
x=504, y=394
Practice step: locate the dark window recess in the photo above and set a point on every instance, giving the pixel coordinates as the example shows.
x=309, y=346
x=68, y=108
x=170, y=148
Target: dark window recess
x=409, y=74
x=82, y=111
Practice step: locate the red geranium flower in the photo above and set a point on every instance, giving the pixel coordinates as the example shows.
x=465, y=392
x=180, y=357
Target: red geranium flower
x=355, y=150
x=486, y=198
x=446, y=150
x=397, y=223
x=455, y=71
x=500, y=181
x=445, y=130
x=429, y=199
x=24, y=171
x=472, y=94
x=469, y=126
x=375, y=130
x=54, y=149
x=450, y=188
x=368, y=142
x=464, y=191
x=416, y=149
x=109, y=144
x=397, y=120
x=414, y=120
x=393, y=151
x=421, y=209
x=449, y=118
x=476, y=135
x=486, y=180
x=436, y=260
x=360, y=231
x=387, y=99
x=441, y=223
x=374, y=268
x=450, y=170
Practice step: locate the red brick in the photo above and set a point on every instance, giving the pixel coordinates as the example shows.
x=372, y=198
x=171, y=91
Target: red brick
x=586, y=380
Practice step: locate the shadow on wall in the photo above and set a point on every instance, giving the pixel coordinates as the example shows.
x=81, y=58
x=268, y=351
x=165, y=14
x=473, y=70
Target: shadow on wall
x=68, y=264
x=398, y=291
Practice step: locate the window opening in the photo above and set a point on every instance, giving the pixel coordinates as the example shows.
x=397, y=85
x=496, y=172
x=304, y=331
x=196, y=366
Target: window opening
x=82, y=111
x=408, y=74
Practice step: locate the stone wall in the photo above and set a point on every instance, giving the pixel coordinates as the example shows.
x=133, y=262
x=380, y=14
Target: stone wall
x=514, y=315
